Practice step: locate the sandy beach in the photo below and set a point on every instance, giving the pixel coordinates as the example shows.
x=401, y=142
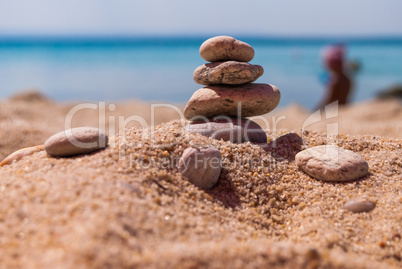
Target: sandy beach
x=128, y=206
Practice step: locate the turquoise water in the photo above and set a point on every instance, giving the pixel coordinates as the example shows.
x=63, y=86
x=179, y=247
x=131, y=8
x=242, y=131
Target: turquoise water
x=161, y=68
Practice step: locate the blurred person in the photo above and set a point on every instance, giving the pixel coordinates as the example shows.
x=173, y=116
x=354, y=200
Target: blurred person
x=338, y=81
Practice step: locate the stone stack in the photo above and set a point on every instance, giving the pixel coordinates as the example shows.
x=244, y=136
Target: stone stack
x=218, y=110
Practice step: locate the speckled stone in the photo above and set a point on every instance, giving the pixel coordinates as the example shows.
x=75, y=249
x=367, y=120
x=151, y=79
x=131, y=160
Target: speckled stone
x=253, y=99
x=230, y=72
x=357, y=206
x=331, y=163
x=202, y=167
x=19, y=154
x=76, y=141
x=226, y=48
x=229, y=129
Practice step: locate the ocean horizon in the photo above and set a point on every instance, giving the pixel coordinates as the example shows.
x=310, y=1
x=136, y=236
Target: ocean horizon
x=160, y=68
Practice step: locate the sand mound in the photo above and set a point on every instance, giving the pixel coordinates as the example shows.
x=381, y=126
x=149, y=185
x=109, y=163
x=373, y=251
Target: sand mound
x=25, y=123
x=31, y=95
x=128, y=207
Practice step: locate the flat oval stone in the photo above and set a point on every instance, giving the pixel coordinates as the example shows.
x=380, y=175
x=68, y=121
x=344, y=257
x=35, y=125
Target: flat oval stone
x=226, y=48
x=249, y=99
x=331, y=163
x=76, y=141
x=229, y=129
x=229, y=72
x=202, y=167
x=19, y=154
x=357, y=206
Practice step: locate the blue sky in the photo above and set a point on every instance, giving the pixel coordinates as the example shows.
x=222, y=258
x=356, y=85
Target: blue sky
x=177, y=17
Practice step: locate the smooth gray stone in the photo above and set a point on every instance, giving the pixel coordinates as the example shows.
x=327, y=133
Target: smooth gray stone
x=76, y=141
x=226, y=48
x=229, y=129
x=357, y=206
x=202, y=167
x=238, y=101
x=230, y=72
x=331, y=163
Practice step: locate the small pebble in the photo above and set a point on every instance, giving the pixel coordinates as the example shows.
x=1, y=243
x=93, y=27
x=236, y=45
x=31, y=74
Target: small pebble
x=331, y=163
x=76, y=141
x=19, y=154
x=202, y=167
x=226, y=48
x=230, y=72
x=357, y=206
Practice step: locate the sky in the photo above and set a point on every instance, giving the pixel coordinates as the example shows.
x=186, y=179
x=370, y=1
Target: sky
x=189, y=17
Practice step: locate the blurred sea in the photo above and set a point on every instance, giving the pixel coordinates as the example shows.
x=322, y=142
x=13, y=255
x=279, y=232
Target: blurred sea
x=161, y=68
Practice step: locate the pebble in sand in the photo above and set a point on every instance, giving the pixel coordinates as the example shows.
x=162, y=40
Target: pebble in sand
x=331, y=163
x=235, y=130
x=358, y=206
x=202, y=167
x=76, y=141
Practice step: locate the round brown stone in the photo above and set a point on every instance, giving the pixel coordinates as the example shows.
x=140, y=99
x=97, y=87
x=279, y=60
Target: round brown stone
x=226, y=48
x=245, y=100
x=76, y=141
x=229, y=129
x=230, y=72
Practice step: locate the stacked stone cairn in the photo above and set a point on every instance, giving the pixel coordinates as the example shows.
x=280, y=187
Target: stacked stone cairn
x=218, y=110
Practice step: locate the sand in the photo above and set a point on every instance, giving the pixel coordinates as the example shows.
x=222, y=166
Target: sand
x=128, y=207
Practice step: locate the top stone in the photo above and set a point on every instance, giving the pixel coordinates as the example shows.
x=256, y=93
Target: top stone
x=226, y=48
